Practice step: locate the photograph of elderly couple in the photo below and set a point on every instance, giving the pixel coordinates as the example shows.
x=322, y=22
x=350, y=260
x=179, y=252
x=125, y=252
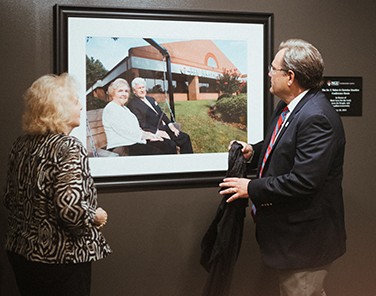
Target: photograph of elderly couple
x=155, y=96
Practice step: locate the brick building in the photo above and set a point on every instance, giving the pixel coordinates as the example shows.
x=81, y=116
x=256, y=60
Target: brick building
x=195, y=66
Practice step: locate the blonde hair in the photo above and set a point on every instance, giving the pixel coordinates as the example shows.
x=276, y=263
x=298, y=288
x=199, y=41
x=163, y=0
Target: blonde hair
x=119, y=82
x=47, y=104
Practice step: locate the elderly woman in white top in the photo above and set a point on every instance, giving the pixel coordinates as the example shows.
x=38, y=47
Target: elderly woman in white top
x=123, y=132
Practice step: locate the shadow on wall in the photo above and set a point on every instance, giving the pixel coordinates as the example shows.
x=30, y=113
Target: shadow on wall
x=7, y=282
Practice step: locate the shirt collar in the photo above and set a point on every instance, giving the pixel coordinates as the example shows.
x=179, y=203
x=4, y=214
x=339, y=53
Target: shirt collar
x=296, y=100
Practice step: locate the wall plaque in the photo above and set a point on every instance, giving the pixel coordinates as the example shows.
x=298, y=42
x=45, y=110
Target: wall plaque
x=345, y=94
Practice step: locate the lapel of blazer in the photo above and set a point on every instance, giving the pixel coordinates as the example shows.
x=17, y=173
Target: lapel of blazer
x=140, y=103
x=152, y=103
x=145, y=107
x=279, y=109
x=296, y=110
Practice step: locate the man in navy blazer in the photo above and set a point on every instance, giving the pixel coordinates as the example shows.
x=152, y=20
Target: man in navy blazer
x=297, y=198
x=153, y=119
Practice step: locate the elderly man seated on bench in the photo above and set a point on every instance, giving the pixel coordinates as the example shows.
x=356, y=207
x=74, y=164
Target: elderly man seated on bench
x=153, y=119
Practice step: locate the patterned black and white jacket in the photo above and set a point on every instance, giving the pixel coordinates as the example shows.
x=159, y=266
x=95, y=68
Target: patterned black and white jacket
x=51, y=199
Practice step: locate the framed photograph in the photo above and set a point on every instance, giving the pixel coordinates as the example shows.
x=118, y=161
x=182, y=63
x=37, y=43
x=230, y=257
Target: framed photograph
x=204, y=74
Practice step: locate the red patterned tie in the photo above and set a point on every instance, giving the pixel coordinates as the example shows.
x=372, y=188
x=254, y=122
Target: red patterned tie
x=273, y=138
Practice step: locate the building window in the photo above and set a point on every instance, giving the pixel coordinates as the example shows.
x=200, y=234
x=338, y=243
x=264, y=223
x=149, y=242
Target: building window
x=212, y=62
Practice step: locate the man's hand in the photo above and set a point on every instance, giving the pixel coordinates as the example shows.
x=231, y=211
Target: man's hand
x=163, y=134
x=247, y=149
x=238, y=187
x=174, y=129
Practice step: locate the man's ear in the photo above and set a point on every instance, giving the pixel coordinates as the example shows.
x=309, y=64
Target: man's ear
x=291, y=76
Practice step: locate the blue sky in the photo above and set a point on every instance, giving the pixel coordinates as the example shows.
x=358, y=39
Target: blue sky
x=110, y=52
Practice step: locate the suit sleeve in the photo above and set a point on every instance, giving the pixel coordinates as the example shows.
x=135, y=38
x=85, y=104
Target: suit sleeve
x=253, y=164
x=314, y=153
x=160, y=112
x=135, y=109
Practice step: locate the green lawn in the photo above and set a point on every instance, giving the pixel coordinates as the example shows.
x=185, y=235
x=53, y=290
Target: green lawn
x=207, y=135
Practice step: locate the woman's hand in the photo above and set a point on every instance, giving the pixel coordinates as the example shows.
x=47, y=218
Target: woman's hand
x=163, y=134
x=151, y=137
x=100, y=218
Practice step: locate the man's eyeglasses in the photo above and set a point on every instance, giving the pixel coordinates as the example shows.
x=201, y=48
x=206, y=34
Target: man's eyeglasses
x=273, y=69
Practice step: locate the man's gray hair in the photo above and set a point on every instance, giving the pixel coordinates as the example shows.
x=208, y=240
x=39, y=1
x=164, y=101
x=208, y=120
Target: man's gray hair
x=305, y=61
x=138, y=81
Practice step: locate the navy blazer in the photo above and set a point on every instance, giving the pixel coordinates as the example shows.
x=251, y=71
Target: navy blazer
x=299, y=202
x=149, y=120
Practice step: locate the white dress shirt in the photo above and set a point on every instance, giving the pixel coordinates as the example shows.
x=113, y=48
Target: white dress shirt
x=291, y=106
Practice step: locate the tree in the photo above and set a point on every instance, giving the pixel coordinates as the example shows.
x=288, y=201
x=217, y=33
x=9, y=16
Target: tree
x=228, y=82
x=94, y=71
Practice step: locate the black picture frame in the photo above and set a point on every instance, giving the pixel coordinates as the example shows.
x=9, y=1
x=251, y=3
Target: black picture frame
x=64, y=16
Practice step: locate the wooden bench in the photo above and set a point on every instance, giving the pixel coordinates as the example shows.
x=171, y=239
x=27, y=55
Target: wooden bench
x=96, y=140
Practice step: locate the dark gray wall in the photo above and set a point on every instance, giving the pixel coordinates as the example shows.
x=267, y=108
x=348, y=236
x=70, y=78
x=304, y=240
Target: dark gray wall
x=156, y=234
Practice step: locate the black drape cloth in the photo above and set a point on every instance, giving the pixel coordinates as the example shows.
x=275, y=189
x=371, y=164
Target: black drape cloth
x=221, y=243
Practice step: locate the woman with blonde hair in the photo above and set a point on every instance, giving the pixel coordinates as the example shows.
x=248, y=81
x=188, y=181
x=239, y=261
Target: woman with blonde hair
x=54, y=221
